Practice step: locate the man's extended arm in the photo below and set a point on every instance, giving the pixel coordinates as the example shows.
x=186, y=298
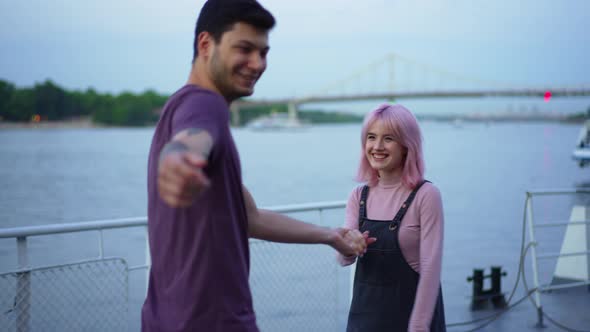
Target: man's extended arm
x=272, y=226
x=180, y=175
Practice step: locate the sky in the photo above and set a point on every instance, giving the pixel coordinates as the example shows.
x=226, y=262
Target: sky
x=132, y=45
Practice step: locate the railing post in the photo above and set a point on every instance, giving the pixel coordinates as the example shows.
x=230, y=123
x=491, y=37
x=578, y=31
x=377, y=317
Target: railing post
x=23, y=287
x=530, y=223
x=148, y=258
x=100, y=244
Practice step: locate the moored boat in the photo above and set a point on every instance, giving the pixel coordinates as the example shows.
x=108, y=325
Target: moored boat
x=582, y=151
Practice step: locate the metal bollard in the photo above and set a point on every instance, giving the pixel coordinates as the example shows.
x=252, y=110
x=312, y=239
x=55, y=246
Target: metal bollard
x=481, y=297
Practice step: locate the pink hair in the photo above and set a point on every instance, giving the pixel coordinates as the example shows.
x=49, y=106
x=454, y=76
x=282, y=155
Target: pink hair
x=406, y=131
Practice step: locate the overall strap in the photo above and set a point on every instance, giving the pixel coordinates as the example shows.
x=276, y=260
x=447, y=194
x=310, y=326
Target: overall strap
x=363, y=205
x=402, y=211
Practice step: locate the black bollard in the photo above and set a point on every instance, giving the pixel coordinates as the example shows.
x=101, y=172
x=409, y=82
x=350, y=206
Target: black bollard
x=478, y=300
x=496, y=292
x=480, y=296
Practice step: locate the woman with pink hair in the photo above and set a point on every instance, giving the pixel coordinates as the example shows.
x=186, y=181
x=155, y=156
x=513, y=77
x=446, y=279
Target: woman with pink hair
x=397, y=281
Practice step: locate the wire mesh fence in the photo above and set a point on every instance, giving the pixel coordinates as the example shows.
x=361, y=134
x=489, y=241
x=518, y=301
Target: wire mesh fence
x=85, y=296
x=295, y=287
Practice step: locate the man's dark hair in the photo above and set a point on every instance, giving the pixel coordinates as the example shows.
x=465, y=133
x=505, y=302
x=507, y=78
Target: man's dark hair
x=219, y=16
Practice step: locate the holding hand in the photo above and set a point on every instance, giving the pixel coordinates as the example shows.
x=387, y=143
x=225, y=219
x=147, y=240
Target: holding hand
x=351, y=242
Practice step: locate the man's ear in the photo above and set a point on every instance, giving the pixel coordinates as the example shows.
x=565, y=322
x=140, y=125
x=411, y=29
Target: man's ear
x=204, y=44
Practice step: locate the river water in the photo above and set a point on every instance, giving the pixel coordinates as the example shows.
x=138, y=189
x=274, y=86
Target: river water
x=483, y=170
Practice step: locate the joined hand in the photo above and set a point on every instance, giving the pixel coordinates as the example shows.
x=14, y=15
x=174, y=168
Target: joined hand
x=351, y=242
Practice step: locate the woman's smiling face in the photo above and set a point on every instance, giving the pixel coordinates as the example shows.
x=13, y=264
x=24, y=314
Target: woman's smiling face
x=384, y=153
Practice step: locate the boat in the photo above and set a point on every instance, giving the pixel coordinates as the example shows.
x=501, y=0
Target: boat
x=276, y=121
x=582, y=151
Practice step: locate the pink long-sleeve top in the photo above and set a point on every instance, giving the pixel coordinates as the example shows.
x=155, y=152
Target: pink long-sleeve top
x=420, y=238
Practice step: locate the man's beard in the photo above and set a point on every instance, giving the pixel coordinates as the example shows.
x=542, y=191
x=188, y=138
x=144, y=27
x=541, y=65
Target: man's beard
x=221, y=77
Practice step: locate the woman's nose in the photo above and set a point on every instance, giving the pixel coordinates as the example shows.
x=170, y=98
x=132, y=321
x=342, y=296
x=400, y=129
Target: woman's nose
x=378, y=144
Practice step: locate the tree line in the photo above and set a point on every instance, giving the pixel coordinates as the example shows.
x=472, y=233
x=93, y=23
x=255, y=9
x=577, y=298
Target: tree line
x=49, y=102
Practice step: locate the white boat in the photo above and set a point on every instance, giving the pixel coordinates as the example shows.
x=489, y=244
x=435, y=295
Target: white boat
x=582, y=151
x=275, y=121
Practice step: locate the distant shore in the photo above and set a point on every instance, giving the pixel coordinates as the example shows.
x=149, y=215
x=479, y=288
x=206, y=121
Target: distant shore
x=71, y=123
x=86, y=122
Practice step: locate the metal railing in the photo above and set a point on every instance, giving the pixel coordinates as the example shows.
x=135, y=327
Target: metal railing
x=533, y=243
x=24, y=271
x=83, y=296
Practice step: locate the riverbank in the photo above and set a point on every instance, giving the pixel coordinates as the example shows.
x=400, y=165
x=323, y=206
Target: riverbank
x=84, y=122
x=322, y=118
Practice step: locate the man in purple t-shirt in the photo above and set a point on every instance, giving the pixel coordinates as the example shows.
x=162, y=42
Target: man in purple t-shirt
x=199, y=214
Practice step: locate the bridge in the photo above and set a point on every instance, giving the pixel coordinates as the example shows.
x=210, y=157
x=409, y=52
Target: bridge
x=395, y=77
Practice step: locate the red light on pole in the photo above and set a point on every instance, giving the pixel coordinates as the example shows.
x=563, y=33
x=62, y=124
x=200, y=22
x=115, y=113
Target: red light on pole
x=547, y=96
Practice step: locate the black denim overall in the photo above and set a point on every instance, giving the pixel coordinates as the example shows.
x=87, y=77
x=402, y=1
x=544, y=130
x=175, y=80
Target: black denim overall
x=384, y=283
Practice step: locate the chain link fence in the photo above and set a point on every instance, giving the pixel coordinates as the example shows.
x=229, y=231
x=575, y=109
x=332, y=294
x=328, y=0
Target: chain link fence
x=295, y=287
x=86, y=296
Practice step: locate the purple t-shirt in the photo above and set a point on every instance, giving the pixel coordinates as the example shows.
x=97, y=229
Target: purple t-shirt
x=200, y=259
